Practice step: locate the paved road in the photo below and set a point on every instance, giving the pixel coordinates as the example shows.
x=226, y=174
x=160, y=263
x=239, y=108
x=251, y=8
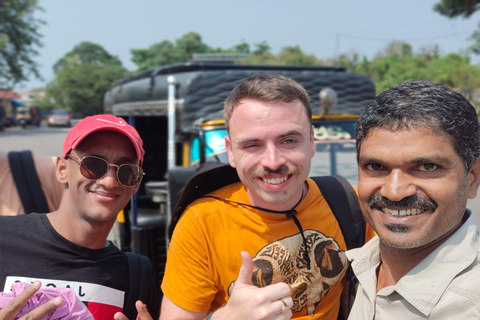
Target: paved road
x=42, y=140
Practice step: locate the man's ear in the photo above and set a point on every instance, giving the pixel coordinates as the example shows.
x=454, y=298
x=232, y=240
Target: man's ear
x=61, y=170
x=474, y=179
x=228, y=147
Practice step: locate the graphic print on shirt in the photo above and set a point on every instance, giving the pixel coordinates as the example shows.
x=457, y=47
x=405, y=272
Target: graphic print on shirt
x=283, y=261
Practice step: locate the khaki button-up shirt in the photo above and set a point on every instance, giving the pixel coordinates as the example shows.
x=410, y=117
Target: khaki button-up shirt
x=445, y=285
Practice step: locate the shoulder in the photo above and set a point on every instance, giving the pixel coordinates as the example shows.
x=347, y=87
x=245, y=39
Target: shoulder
x=28, y=227
x=206, y=211
x=229, y=191
x=467, y=283
x=312, y=186
x=232, y=192
x=23, y=220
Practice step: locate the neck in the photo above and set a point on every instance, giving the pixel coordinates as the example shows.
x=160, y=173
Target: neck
x=80, y=231
x=396, y=263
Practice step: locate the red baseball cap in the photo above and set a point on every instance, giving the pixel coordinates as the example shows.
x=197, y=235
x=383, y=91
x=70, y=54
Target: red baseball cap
x=102, y=122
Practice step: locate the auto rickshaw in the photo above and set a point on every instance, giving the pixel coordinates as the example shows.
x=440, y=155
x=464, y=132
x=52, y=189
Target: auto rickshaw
x=28, y=116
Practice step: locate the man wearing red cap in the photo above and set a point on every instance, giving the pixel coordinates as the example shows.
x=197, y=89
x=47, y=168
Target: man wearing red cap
x=100, y=169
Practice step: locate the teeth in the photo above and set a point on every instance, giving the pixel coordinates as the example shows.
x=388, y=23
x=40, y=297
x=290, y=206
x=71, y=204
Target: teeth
x=275, y=181
x=402, y=213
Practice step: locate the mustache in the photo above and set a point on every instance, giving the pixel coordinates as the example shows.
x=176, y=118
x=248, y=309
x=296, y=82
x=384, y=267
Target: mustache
x=283, y=170
x=410, y=202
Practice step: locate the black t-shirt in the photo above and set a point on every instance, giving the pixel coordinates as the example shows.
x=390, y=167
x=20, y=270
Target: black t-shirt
x=31, y=249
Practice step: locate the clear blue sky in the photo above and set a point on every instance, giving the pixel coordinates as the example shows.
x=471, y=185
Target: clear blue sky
x=320, y=27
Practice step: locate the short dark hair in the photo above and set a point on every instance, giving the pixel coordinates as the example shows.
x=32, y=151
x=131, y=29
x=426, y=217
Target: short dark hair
x=427, y=104
x=266, y=87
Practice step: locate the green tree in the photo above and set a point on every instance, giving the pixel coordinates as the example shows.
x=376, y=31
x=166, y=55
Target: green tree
x=166, y=52
x=261, y=48
x=264, y=58
x=401, y=64
x=455, y=71
x=191, y=43
x=182, y=50
x=86, y=53
x=242, y=47
x=83, y=76
x=294, y=55
x=465, y=8
x=349, y=60
x=399, y=48
x=456, y=8
x=429, y=53
x=158, y=54
x=19, y=40
x=290, y=55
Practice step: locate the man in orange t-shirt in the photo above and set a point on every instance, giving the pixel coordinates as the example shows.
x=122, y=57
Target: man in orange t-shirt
x=275, y=214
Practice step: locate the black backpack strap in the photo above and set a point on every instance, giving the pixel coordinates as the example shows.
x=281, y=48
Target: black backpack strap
x=209, y=177
x=140, y=283
x=343, y=200
x=26, y=180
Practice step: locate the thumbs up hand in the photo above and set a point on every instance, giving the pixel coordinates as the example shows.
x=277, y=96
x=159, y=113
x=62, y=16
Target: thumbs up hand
x=250, y=302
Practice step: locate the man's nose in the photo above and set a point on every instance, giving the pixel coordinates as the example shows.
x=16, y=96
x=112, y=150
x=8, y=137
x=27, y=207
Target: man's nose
x=110, y=180
x=272, y=158
x=398, y=185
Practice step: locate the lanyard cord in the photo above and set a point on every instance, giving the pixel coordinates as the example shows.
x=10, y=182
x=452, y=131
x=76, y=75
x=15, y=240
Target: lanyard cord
x=289, y=213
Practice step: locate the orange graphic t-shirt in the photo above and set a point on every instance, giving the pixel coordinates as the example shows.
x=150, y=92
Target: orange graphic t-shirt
x=204, y=255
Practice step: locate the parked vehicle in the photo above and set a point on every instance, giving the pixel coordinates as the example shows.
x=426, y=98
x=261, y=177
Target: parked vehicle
x=59, y=117
x=177, y=110
x=23, y=116
x=28, y=116
x=9, y=108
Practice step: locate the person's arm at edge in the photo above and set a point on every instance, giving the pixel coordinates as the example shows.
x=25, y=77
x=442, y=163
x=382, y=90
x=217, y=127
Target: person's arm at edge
x=170, y=310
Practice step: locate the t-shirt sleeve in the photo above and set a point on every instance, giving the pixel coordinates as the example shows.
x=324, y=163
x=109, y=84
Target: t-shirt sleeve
x=189, y=274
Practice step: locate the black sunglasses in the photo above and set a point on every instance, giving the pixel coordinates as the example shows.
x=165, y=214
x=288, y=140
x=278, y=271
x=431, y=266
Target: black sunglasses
x=96, y=168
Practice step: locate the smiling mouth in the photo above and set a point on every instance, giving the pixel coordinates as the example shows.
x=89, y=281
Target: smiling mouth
x=403, y=212
x=275, y=180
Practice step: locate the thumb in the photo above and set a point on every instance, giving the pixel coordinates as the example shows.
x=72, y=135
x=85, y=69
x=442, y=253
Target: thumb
x=246, y=270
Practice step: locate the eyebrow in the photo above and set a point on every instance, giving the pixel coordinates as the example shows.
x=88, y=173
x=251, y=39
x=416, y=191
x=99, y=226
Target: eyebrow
x=418, y=161
x=434, y=159
x=286, y=134
x=369, y=160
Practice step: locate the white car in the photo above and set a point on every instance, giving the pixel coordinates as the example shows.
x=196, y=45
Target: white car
x=59, y=117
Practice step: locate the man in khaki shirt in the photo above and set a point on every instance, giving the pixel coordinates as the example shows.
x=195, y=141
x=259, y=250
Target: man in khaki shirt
x=10, y=203
x=418, y=148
